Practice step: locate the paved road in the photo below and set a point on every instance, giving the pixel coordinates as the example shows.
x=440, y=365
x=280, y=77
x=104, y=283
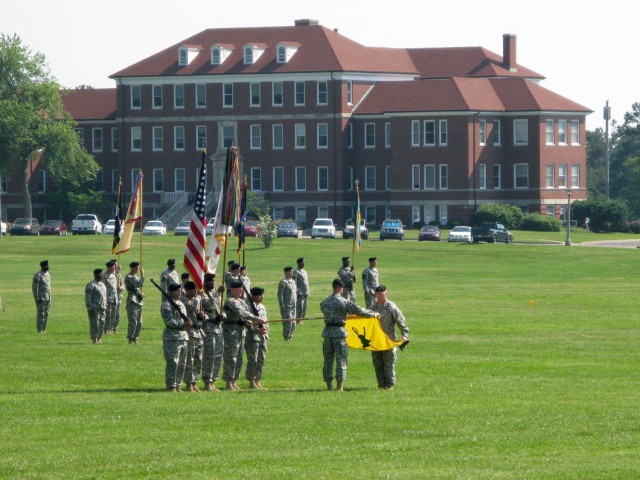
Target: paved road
x=612, y=244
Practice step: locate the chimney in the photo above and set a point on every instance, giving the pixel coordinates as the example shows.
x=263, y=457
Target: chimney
x=305, y=22
x=509, y=52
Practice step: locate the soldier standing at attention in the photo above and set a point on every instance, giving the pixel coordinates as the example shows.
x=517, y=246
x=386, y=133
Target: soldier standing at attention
x=335, y=309
x=95, y=299
x=184, y=278
x=169, y=276
x=111, y=282
x=384, y=362
x=213, y=341
x=349, y=279
x=255, y=343
x=195, y=344
x=246, y=282
x=120, y=288
x=287, y=300
x=302, y=288
x=135, y=297
x=174, y=338
x=370, y=281
x=237, y=317
x=231, y=276
x=41, y=288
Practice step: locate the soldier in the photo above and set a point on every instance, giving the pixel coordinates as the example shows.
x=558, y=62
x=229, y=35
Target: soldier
x=135, y=298
x=232, y=275
x=370, y=281
x=41, y=288
x=111, y=282
x=390, y=316
x=348, y=278
x=184, y=278
x=169, y=276
x=302, y=288
x=237, y=317
x=174, y=338
x=95, y=299
x=195, y=345
x=213, y=340
x=120, y=282
x=287, y=300
x=246, y=283
x=335, y=309
x=256, y=341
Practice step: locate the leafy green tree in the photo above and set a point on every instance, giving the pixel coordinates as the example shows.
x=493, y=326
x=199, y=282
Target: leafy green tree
x=604, y=215
x=509, y=215
x=596, y=163
x=33, y=123
x=625, y=144
x=268, y=228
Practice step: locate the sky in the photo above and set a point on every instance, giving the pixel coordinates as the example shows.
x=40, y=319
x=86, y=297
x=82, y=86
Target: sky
x=586, y=49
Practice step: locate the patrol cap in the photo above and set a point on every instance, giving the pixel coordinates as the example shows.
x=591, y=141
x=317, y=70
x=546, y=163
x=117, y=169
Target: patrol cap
x=373, y=259
x=184, y=275
x=171, y=261
x=134, y=264
x=337, y=283
x=288, y=269
x=300, y=260
x=255, y=291
x=381, y=288
x=235, y=266
x=44, y=263
x=243, y=268
x=209, y=276
x=345, y=258
x=231, y=262
x=110, y=263
x=173, y=287
x=189, y=285
x=114, y=260
x=97, y=271
x=235, y=284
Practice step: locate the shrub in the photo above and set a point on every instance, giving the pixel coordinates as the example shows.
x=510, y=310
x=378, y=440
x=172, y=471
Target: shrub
x=268, y=228
x=509, y=215
x=604, y=215
x=541, y=223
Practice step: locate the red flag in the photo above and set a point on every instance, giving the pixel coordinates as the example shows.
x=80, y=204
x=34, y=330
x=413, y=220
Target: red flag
x=194, y=253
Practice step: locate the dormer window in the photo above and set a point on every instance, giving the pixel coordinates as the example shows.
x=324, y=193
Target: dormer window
x=252, y=52
x=219, y=53
x=187, y=53
x=286, y=50
x=248, y=56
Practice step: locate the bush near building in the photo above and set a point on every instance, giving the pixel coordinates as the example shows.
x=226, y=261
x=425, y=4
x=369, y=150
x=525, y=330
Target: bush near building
x=509, y=215
x=540, y=223
x=604, y=215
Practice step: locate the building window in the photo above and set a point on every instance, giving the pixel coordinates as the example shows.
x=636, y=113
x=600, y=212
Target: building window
x=562, y=175
x=41, y=176
x=370, y=177
x=136, y=139
x=278, y=213
x=96, y=134
x=255, y=94
x=322, y=93
x=497, y=177
x=387, y=177
x=277, y=96
x=201, y=95
x=201, y=137
x=323, y=212
x=178, y=138
x=497, y=133
x=114, y=139
x=256, y=137
x=521, y=175
x=429, y=133
x=301, y=214
x=179, y=180
x=444, y=214
x=350, y=187
x=178, y=96
x=443, y=132
x=350, y=135
x=429, y=177
x=301, y=179
x=156, y=133
x=483, y=132
x=278, y=179
x=550, y=132
x=415, y=177
x=256, y=179
x=134, y=177
x=575, y=132
x=157, y=96
x=521, y=132
x=228, y=136
x=387, y=135
x=282, y=54
x=323, y=135
x=562, y=132
x=349, y=92
x=369, y=135
x=575, y=176
x=278, y=137
x=158, y=180
x=323, y=179
x=482, y=174
x=415, y=133
x=444, y=179
x=415, y=213
x=227, y=95
x=551, y=211
x=299, y=93
x=215, y=56
x=370, y=215
x=183, y=57
x=248, y=56
x=115, y=180
x=301, y=136
x=136, y=97
x=550, y=176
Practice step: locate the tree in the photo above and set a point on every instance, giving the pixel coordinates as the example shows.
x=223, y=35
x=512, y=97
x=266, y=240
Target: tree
x=596, y=163
x=509, y=215
x=33, y=123
x=625, y=146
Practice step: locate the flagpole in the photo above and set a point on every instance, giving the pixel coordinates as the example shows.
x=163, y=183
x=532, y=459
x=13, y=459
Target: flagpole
x=141, y=215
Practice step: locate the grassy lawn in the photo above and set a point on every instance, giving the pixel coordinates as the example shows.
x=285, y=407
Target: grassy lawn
x=488, y=388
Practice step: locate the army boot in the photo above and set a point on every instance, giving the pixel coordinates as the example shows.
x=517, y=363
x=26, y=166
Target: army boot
x=339, y=386
x=330, y=385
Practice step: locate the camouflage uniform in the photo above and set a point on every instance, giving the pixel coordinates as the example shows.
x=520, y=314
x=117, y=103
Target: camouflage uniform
x=246, y=288
x=95, y=299
x=349, y=278
x=369, y=284
x=237, y=313
x=302, y=291
x=120, y=288
x=41, y=288
x=111, y=282
x=174, y=343
x=213, y=340
x=335, y=309
x=255, y=345
x=195, y=345
x=287, y=301
x=169, y=277
x=135, y=297
x=384, y=362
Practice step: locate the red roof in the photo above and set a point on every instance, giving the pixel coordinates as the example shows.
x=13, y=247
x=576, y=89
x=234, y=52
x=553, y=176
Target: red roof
x=90, y=103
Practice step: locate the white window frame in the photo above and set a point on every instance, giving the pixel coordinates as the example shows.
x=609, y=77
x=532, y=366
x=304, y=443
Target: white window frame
x=301, y=179
x=550, y=131
x=562, y=175
x=575, y=175
x=415, y=133
x=497, y=176
x=299, y=93
x=248, y=56
x=323, y=212
x=322, y=136
x=300, y=136
x=201, y=95
x=387, y=178
x=255, y=131
x=323, y=175
x=482, y=132
x=278, y=186
x=520, y=132
x=178, y=96
x=179, y=175
x=282, y=54
x=157, y=136
x=157, y=100
x=301, y=214
x=114, y=139
x=416, y=210
x=136, y=97
x=136, y=139
x=216, y=56
x=277, y=89
x=322, y=94
x=97, y=139
x=256, y=179
x=227, y=95
x=370, y=178
x=516, y=167
x=254, y=93
x=350, y=135
x=443, y=133
x=427, y=139
x=115, y=180
x=225, y=137
x=550, y=176
x=370, y=214
x=278, y=213
x=415, y=177
x=157, y=171
x=430, y=180
x=387, y=135
x=201, y=137
x=482, y=176
x=443, y=177
x=497, y=133
x=274, y=128
x=369, y=135
x=349, y=92
x=562, y=132
x=575, y=132
x=178, y=135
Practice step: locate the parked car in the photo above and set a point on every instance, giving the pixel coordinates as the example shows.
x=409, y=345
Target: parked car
x=210, y=226
x=183, y=228
x=323, y=227
x=392, y=229
x=86, y=223
x=287, y=229
x=154, y=227
x=491, y=232
x=54, y=227
x=3, y=227
x=25, y=226
x=429, y=232
x=460, y=234
x=109, y=227
x=251, y=229
x=348, y=230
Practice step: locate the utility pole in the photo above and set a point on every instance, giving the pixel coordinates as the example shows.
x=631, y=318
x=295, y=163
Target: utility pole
x=607, y=116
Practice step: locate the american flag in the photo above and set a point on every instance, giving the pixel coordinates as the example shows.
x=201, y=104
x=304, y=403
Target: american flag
x=194, y=253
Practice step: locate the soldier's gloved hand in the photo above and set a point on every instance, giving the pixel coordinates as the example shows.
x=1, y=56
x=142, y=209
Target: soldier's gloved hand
x=221, y=289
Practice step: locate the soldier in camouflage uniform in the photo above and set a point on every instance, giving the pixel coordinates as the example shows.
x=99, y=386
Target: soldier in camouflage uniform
x=302, y=288
x=193, y=303
x=111, y=282
x=349, y=279
x=237, y=317
x=184, y=278
x=135, y=297
x=287, y=293
x=246, y=283
x=232, y=275
x=213, y=340
x=256, y=341
x=169, y=276
x=120, y=283
x=41, y=288
x=335, y=309
x=95, y=299
x=390, y=316
x=174, y=338
x=370, y=281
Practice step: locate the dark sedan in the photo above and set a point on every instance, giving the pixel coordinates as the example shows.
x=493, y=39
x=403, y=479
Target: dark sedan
x=288, y=229
x=25, y=226
x=429, y=232
x=54, y=227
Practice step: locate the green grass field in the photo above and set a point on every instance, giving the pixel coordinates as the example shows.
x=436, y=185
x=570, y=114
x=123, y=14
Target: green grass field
x=488, y=388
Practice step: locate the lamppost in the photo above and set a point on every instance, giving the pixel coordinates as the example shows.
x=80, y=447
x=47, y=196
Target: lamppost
x=567, y=242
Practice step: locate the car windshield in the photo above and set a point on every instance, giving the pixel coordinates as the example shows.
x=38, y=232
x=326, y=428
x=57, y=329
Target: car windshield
x=52, y=223
x=392, y=224
x=429, y=228
x=85, y=217
x=252, y=223
x=461, y=229
x=186, y=223
x=154, y=224
x=22, y=221
x=323, y=223
x=287, y=225
x=110, y=222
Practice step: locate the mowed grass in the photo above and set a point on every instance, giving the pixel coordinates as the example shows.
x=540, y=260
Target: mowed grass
x=488, y=388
